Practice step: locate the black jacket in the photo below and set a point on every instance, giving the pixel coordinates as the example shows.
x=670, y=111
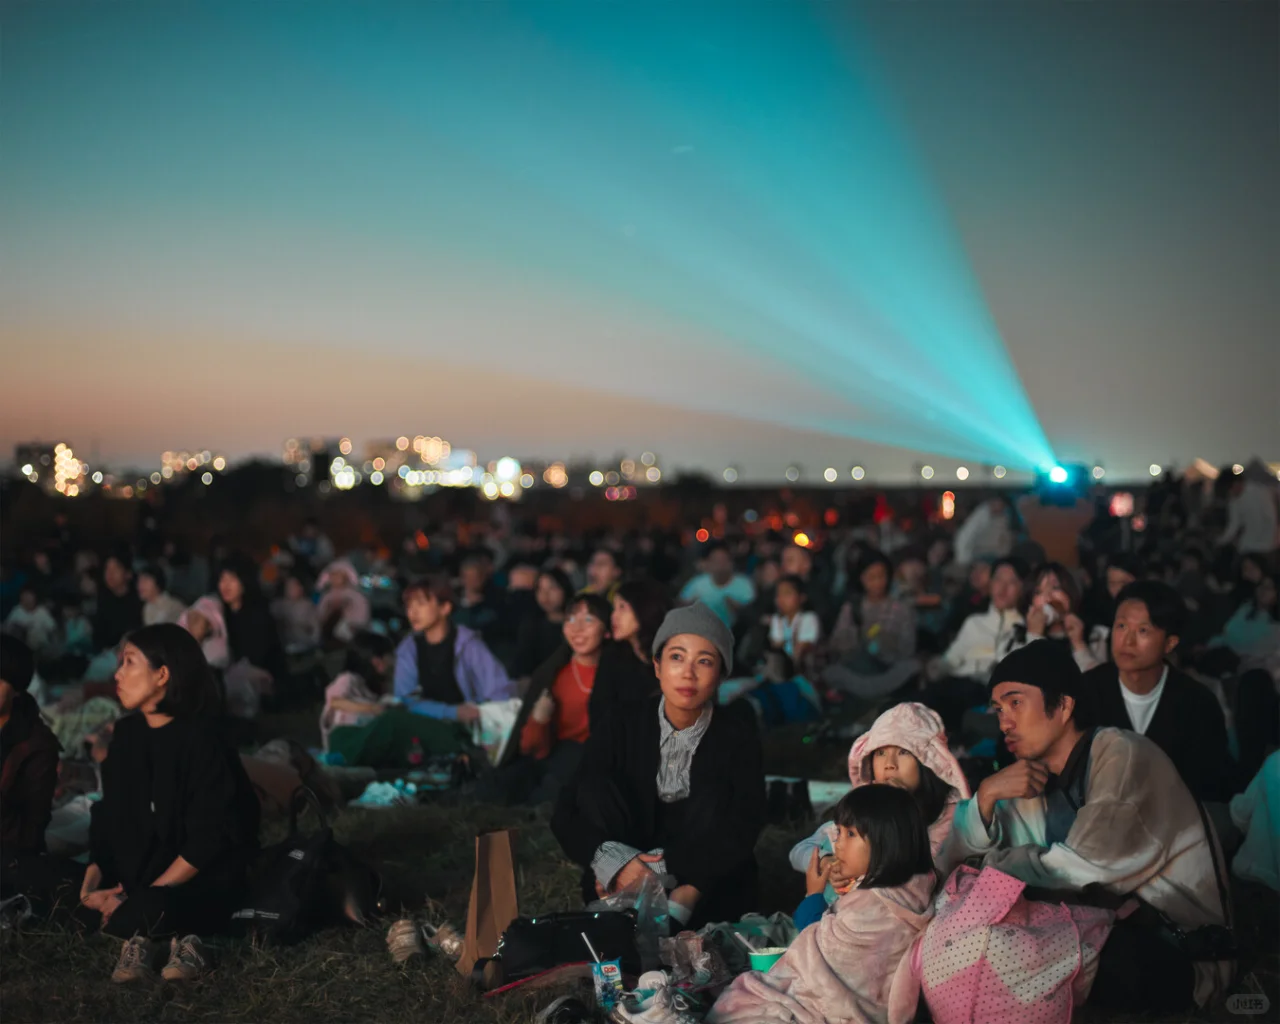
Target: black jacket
x=28, y=777
x=115, y=616
x=621, y=678
x=1188, y=725
x=723, y=816
x=252, y=634
x=537, y=638
x=180, y=790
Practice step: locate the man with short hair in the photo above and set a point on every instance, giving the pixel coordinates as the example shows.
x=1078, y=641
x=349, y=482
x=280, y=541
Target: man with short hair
x=604, y=573
x=1252, y=515
x=721, y=589
x=1101, y=812
x=1141, y=691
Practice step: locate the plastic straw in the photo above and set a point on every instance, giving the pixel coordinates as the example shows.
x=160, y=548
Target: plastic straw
x=591, y=948
x=738, y=936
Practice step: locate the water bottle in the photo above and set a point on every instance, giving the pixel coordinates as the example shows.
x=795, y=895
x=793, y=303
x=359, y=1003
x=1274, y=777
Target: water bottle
x=416, y=753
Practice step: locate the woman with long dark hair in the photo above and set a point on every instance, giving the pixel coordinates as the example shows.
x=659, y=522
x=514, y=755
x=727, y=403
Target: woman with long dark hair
x=173, y=836
x=251, y=631
x=1051, y=604
x=626, y=663
x=540, y=631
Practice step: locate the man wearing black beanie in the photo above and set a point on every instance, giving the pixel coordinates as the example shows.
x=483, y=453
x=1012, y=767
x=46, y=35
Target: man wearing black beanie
x=1102, y=810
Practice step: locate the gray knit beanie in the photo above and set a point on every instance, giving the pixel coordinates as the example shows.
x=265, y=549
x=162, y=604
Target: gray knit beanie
x=699, y=620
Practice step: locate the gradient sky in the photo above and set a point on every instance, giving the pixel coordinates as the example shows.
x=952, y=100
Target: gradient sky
x=738, y=233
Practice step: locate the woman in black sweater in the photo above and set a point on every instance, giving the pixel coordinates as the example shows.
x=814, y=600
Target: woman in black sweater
x=173, y=836
x=673, y=786
x=626, y=663
x=252, y=634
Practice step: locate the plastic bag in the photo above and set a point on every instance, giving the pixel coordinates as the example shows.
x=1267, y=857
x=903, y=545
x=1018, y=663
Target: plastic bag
x=648, y=899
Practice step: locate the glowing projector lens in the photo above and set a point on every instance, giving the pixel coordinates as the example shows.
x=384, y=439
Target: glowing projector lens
x=1058, y=475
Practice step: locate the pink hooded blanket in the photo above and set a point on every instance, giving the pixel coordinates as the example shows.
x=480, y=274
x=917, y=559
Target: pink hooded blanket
x=918, y=730
x=214, y=644
x=347, y=603
x=992, y=957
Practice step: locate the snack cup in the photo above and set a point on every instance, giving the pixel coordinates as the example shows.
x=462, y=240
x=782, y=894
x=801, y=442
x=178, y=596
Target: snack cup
x=763, y=959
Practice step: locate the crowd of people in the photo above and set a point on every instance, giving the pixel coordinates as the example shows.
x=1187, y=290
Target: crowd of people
x=1096, y=728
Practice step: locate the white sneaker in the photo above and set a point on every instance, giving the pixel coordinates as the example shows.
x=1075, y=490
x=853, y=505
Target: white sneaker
x=664, y=1006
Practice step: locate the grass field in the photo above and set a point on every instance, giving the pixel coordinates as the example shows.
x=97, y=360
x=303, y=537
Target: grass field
x=425, y=853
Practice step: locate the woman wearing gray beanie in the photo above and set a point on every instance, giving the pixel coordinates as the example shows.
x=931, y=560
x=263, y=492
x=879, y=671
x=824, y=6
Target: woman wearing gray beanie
x=673, y=786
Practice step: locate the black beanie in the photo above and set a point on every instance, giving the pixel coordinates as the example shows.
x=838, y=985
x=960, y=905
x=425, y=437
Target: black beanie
x=17, y=665
x=1045, y=664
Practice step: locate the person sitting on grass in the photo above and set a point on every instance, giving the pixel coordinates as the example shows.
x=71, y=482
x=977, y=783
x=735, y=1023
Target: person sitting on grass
x=874, y=638
x=251, y=630
x=1051, y=604
x=626, y=662
x=357, y=696
x=672, y=788
x=444, y=670
x=722, y=589
x=559, y=711
x=540, y=632
x=297, y=617
x=343, y=610
x=158, y=605
x=28, y=757
x=1140, y=690
x=793, y=628
x=176, y=829
x=1102, y=814
x=844, y=965
x=907, y=748
x=959, y=675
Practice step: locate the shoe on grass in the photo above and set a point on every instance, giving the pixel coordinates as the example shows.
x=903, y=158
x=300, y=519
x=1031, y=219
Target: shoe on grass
x=135, y=960
x=187, y=959
x=404, y=941
x=663, y=1005
x=15, y=912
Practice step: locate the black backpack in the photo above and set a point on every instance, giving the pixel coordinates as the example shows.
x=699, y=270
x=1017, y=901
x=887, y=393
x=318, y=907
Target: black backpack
x=307, y=883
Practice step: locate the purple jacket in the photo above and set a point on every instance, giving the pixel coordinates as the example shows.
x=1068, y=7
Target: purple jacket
x=480, y=675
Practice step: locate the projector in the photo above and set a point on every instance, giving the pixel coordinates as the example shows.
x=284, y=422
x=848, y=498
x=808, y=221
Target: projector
x=1062, y=485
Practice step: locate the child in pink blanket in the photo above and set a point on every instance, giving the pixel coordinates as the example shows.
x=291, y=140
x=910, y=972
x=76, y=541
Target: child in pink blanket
x=845, y=967
x=357, y=697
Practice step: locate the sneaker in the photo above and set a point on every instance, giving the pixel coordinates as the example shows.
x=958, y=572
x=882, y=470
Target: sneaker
x=15, y=912
x=665, y=1005
x=404, y=941
x=445, y=938
x=135, y=962
x=187, y=959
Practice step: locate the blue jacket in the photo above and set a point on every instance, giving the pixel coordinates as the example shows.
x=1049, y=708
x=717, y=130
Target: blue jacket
x=480, y=675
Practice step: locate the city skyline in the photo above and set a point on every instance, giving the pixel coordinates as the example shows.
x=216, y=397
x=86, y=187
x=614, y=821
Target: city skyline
x=899, y=235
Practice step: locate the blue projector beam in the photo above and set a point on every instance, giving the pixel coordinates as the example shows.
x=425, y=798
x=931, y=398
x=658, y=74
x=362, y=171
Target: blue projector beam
x=735, y=172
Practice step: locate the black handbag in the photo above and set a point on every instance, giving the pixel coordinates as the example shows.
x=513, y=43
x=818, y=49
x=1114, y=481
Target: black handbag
x=531, y=945
x=306, y=883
